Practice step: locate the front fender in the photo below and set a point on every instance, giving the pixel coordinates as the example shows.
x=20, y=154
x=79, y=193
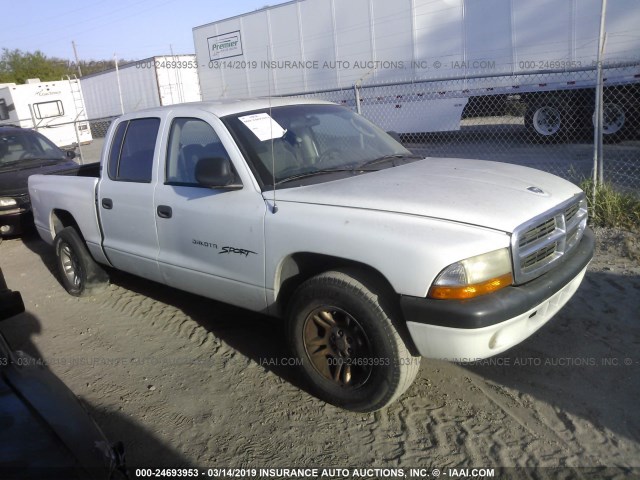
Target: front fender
x=408, y=250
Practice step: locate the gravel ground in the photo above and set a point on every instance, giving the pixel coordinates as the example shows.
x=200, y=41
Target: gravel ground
x=184, y=381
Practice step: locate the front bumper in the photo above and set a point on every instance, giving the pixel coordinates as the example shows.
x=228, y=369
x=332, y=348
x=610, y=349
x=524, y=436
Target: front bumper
x=13, y=220
x=478, y=328
x=14, y=223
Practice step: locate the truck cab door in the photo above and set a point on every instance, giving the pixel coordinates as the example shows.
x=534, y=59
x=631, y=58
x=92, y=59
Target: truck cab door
x=125, y=198
x=211, y=239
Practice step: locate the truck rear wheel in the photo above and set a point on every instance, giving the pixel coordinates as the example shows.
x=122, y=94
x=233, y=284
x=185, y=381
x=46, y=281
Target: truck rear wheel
x=79, y=274
x=618, y=117
x=351, y=352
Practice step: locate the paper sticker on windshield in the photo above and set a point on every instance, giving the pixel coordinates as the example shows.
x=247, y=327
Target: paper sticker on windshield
x=263, y=126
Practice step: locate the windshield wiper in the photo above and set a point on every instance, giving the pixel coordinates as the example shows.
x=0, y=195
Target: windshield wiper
x=393, y=157
x=323, y=171
x=353, y=169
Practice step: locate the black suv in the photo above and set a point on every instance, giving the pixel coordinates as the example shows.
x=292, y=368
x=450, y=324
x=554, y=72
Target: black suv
x=25, y=152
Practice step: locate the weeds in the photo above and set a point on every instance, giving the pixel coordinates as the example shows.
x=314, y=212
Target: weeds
x=612, y=208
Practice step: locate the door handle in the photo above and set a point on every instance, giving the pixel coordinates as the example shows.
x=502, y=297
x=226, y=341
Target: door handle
x=107, y=203
x=164, y=211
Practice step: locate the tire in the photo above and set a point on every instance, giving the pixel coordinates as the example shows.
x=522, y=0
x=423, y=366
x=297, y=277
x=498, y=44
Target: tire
x=617, y=117
x=342, y=329
x=80, y=275
x=546, y=122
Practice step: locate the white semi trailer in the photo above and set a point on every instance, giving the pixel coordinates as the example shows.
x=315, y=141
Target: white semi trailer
x=55, y=109
x=483, y=54
x=152, y=82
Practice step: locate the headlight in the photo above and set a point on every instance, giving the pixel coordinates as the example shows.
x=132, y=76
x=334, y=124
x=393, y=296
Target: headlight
x=7, y=202
x=474, y=276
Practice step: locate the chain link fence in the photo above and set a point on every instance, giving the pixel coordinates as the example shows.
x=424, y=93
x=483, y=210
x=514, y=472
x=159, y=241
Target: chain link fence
x=90, y=153
x=100, y=126
x=543, y=120
x=86, y=137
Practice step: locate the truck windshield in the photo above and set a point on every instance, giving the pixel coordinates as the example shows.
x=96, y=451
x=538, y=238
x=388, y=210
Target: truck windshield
x=296, y=141
x=19, y=146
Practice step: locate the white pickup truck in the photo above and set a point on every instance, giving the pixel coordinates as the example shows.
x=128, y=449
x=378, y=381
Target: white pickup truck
x=305, y=210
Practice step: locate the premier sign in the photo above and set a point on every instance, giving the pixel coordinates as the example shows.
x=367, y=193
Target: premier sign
x=225, y=45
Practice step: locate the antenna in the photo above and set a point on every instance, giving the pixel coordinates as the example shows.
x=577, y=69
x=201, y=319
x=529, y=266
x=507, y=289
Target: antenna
x=273, y=158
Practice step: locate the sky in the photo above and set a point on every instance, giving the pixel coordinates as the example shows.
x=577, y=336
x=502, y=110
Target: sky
x=131, y=29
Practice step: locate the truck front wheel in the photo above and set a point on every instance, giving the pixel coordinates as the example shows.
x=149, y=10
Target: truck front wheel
x=341, y=328
x=79, y=273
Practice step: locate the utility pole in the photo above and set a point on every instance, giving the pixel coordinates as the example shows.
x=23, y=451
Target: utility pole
x=75, y=54
x=115, y=60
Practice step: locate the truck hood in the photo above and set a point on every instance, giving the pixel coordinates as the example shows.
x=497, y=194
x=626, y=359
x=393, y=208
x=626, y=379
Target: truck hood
x=488, y=194
x=13, y=179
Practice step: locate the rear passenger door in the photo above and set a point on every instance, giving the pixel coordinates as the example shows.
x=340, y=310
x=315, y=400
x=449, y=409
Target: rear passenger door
x=125, y=198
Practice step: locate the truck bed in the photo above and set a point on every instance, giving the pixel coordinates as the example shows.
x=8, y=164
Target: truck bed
x=53, y=195
x=89, y=170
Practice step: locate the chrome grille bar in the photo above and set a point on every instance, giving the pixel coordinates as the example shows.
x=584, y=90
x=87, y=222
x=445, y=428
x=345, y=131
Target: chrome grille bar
x=539, y=243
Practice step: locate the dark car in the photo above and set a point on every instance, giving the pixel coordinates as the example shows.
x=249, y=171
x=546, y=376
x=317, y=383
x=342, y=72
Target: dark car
x=45, y=432
x=24, y=152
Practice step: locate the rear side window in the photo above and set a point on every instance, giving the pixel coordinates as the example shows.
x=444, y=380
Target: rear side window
x=131, y=155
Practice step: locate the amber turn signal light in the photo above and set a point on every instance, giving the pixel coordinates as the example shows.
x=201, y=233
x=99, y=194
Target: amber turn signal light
x=461, y=292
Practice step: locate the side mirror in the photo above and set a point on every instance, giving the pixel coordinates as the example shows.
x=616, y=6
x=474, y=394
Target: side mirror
x=70, y=154
x=216, y=173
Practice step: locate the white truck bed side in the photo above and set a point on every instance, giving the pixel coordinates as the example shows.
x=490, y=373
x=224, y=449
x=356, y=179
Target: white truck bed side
x=75, y=195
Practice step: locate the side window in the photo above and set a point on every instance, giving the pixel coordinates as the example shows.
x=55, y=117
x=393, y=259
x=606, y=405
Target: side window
x=190, y=140
x=116, y=146
x=48, y=109
x=131, y=155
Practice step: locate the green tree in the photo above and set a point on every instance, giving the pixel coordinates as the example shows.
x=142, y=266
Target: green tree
x=17, y=66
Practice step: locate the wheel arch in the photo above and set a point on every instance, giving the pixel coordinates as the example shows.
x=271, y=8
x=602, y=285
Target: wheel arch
x=298, y=267
x=61, y=219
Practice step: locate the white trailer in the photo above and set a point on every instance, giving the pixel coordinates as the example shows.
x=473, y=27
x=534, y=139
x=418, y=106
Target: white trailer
x=55, y=109
x=152, y=82
x=477, y=50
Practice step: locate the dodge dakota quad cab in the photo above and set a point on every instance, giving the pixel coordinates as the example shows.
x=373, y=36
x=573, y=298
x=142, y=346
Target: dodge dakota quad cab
x=306, y=211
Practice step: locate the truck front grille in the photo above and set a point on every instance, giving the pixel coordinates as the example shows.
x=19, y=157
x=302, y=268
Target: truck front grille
x=538, y=244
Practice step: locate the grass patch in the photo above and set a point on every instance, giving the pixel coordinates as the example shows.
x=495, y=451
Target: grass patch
x=612, y=208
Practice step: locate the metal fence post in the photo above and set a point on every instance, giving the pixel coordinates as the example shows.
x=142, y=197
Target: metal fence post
x=542, y=126
x=598, y=171
x=75, y=128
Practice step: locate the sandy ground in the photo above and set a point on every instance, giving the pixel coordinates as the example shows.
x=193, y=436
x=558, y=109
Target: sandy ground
x=186, y=381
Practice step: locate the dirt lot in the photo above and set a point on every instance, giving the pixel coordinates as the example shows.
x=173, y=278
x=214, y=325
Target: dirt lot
x=185, y=381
